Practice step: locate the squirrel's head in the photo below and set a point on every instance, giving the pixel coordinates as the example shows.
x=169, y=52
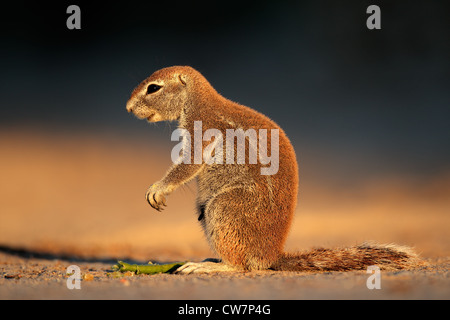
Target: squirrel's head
x=163, y=95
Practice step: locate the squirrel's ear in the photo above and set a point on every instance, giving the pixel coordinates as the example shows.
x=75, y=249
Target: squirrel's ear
x=182, y=79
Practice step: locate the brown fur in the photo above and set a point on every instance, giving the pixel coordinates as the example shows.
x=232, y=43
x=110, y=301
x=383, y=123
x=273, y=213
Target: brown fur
x=245, y=215
x=387, y=257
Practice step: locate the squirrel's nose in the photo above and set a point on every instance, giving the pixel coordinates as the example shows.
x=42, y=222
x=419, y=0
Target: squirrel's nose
x=129, y=106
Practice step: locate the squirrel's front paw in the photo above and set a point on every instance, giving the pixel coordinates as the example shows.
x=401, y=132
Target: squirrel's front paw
x=155, y=196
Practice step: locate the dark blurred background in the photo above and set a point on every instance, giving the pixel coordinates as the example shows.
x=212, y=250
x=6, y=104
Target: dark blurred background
x=356, y=103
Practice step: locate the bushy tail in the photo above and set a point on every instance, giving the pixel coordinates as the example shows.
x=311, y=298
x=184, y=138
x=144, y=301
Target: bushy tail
x=385, y=256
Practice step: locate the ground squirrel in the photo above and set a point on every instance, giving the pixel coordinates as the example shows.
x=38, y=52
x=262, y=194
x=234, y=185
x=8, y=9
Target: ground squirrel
x=245, y=214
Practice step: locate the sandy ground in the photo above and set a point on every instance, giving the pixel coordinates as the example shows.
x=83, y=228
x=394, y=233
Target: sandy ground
x=45, y=278
x=79, y=200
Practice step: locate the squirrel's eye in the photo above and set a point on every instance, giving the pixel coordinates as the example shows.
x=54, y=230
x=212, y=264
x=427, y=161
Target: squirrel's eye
x=153, y=88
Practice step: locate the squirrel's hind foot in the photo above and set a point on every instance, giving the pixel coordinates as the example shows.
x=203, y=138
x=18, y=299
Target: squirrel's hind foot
x=204, y=267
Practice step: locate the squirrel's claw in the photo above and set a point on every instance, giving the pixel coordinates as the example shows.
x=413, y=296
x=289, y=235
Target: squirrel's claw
x=155, y=197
